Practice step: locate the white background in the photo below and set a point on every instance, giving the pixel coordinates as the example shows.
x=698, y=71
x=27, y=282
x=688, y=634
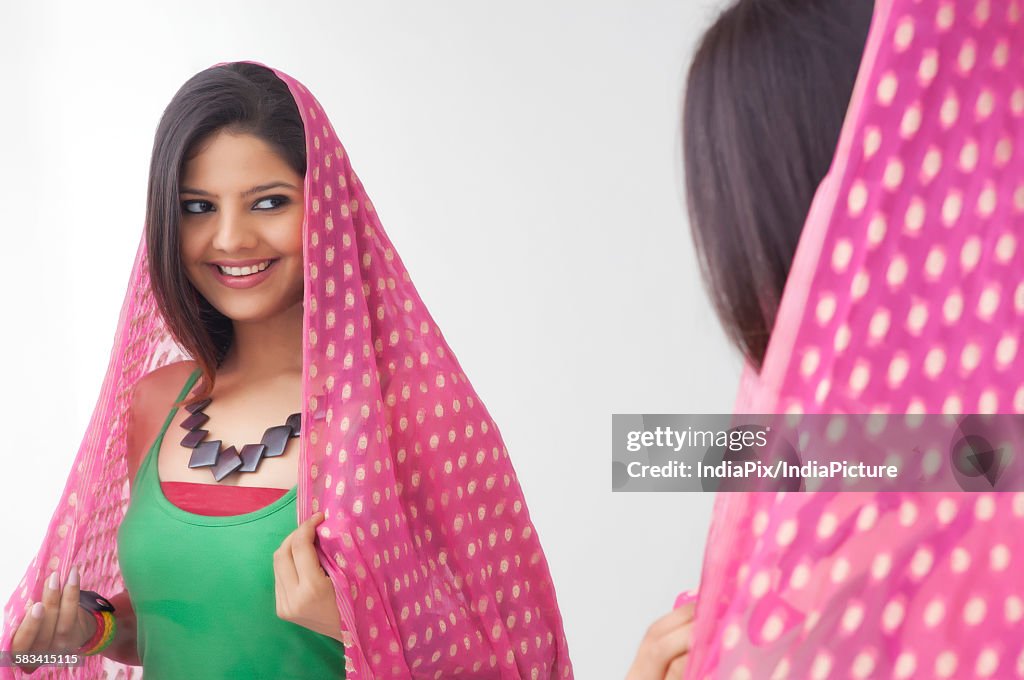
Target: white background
x=523, y=157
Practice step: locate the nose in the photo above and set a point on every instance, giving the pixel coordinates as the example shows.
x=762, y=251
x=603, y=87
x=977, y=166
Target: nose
x=235, y=231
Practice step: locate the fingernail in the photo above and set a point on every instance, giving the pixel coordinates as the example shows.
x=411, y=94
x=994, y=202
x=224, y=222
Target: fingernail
x=37, y=610
x=73, y=576
x=53, y=581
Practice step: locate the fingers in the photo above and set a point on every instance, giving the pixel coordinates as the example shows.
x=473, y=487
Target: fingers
x=26, y=634
x=673, y=643
x=666, y=640
x=67, y=617
x=284, y=564
x=279, y=594
x=51, y=607
x=50, y=625
x=307, y=564
x=672, y=620
x=677, y=668
x=685, y=597
x=295, y=556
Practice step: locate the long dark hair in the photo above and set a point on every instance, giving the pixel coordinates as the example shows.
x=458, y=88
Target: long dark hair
x=241, y=98
x=766, y=97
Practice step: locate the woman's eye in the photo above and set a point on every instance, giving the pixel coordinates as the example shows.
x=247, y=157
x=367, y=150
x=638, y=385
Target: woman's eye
x=195, y=207
x=268, y=203
x=281, y=200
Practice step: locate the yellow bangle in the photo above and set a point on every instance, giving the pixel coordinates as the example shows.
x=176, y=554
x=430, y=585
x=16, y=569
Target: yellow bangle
x=109, y=630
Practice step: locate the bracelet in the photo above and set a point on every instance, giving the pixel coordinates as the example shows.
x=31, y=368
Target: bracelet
x=106, y=626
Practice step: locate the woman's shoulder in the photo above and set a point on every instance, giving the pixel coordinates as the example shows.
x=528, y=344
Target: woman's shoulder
x=158, y=381
x=152, y=398
x=157, y=390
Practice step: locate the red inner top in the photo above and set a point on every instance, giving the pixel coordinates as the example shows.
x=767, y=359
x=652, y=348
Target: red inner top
x=217, y=500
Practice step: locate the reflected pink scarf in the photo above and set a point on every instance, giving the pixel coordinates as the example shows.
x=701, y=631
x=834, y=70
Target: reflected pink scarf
x=906, y=295
x=438, y=569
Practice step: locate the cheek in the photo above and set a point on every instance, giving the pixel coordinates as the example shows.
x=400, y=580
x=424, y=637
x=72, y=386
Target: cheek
x=290, y=245
x=191, y=251
x=189, y=246
x=296, y=237
x=285, y=236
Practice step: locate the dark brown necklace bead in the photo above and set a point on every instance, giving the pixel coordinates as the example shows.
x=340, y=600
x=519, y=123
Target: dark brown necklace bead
x=223, y=463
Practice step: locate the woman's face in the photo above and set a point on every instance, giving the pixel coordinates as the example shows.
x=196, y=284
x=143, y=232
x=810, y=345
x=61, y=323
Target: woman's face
x=242, y=205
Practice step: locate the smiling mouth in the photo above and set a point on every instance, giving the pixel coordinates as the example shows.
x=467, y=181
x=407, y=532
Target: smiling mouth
x=243, y=272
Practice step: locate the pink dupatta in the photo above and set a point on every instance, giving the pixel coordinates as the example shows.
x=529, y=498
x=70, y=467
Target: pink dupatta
x=438, y=569
x=906, y=295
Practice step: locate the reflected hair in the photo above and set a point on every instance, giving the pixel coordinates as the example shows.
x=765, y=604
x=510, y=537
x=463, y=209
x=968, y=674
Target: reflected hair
x=239, y=98
x=766, y=95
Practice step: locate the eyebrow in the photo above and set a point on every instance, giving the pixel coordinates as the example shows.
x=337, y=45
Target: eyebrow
x=254, y=190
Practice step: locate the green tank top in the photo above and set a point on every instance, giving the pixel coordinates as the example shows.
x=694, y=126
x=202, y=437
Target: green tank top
x=203, y=589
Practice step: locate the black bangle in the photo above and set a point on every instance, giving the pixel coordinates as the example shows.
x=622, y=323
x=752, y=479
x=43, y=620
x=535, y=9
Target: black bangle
x=94, y=602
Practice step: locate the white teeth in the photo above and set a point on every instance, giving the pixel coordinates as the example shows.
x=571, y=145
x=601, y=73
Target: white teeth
x=244, y=271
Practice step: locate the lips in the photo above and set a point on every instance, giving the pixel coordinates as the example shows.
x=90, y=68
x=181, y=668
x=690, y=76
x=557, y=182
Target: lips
x=244, y=270
x=242, y=263
x=247, y=281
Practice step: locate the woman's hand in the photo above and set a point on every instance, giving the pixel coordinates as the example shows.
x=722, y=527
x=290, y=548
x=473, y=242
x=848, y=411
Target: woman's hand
x=305, y=593
x=57, y=625
x=665, y=648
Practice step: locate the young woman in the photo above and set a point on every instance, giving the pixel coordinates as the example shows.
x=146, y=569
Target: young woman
x=313, y=384
x=766, y=96
x=197, y=523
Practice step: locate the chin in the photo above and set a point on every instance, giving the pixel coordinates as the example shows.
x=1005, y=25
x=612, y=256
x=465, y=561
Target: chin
x=255, y=312
x=256, y=309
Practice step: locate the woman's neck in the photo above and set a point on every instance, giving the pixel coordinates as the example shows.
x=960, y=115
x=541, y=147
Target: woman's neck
x=266, y=348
